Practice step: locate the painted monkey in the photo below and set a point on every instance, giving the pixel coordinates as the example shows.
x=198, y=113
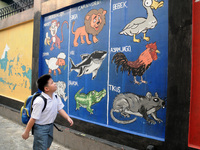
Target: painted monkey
x=55, y=39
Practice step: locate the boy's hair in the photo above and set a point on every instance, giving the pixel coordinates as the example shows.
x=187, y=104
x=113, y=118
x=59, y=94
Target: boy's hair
x=43, y=81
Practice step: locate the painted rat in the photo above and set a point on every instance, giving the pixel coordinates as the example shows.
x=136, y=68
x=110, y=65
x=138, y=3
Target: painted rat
x=131, y=104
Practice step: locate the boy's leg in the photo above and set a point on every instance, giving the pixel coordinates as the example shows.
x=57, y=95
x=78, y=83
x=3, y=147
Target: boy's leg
x=50, y=136
x=41, y=134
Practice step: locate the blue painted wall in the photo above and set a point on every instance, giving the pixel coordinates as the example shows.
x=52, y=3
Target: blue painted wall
x=118, y=14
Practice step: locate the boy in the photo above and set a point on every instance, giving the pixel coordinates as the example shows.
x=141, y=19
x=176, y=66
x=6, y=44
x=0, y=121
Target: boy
x=43, y=121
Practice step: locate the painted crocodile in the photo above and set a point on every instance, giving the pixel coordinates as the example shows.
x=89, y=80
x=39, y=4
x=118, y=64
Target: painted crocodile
x=87, y=100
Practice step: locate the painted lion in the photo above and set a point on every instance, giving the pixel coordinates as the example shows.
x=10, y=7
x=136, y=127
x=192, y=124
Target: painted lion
x=94, y=23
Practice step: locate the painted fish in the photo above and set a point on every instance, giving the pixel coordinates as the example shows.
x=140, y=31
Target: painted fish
x=90, y=63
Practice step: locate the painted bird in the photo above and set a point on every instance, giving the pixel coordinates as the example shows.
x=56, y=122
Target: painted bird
x=139, y=66
x=141, y=24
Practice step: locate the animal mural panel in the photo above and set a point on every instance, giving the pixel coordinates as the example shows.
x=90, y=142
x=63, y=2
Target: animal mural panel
x=138, y=66
x=54, y=51
x=88, y=59
x=109, y=59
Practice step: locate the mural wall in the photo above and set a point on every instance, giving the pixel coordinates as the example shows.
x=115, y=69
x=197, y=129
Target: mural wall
x=109, y=59
x=16, y=61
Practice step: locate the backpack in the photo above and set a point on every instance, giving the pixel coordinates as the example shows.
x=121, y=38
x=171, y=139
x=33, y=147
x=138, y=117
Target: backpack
x=25, y=112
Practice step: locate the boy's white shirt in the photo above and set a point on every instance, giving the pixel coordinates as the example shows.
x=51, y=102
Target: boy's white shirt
x=49, y=114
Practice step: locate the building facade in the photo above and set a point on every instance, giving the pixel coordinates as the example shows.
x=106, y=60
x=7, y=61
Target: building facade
x=123, y=68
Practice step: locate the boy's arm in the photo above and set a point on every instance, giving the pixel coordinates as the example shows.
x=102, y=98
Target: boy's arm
x=29, y=126
x=66, y=116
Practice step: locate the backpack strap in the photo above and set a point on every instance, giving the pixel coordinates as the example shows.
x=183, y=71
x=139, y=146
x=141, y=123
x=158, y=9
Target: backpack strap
x=57, y=127
x=45, y=102
x=36, y=94
x=34, y=97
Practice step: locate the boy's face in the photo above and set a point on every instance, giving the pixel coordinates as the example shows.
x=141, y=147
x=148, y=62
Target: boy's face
x=51, y=86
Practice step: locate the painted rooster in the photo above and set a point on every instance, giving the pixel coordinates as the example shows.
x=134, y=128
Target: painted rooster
x=139, y=66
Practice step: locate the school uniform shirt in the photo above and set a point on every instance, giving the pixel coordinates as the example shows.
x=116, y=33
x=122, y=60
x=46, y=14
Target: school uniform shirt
x=49, y=114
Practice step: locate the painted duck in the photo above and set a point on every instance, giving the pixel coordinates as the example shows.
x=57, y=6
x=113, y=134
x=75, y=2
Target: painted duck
x=139, y=25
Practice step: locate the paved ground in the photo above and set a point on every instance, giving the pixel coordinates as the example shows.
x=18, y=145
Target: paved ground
x=10, y=137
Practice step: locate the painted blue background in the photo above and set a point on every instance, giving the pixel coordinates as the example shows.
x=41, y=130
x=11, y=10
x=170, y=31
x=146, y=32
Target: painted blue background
x=109, y=37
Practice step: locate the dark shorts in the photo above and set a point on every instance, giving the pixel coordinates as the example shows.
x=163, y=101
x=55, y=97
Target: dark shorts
x=43, y=136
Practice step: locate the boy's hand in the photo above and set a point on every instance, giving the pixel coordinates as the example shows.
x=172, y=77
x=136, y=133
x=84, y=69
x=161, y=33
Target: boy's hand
x=65, y=115
x=25, y=135
x=29, y=126
x=70, y=121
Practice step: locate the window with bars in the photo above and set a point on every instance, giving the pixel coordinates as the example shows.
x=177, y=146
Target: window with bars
x=15, y=8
